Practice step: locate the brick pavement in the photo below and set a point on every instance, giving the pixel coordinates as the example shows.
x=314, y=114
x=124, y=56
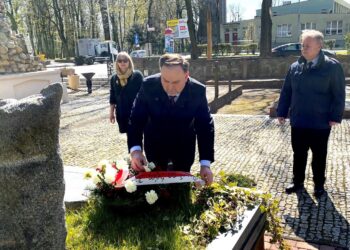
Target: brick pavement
x=252, y=145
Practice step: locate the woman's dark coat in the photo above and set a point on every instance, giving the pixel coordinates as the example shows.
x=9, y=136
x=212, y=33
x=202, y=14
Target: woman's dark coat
x=123, y=97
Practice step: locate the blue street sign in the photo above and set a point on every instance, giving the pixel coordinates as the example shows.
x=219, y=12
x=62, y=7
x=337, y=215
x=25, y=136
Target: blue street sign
x=136, y=39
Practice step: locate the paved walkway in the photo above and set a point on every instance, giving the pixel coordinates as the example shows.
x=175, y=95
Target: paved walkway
x=255, y=146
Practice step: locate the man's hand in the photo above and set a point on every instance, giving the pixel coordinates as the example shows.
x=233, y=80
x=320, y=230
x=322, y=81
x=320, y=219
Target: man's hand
x=332, y=123
x=281, y=120
x=206, y=175
x=138, y=160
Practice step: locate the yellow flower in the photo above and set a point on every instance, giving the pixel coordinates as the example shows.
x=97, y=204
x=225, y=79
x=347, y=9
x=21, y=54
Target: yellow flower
x=102, y=165
x=88, y=174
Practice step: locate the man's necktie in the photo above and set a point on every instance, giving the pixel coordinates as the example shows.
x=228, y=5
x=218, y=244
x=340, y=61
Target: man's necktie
x=172, y=99
x=309, y=65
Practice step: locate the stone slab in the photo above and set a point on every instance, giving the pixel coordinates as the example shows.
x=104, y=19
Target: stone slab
x=75, y=192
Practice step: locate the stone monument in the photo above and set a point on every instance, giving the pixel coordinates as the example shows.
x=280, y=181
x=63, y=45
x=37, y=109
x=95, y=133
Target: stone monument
x=13, y=58
x=21, y=74
x=32, y=213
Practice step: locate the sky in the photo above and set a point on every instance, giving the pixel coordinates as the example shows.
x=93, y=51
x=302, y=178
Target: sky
x=247, y=8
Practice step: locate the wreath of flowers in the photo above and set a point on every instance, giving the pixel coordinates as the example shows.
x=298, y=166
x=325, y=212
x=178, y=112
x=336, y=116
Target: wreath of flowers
x=220, y=205
x=114, y=181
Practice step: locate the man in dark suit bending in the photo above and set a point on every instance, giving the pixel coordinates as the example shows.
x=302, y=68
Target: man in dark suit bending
x=171, y=111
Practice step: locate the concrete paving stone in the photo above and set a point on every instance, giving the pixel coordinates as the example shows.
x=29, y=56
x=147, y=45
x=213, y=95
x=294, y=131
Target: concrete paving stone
x=306, y=245
x=274, y=247
x=253, y=145
x=323, y=247
x=291, y=243
x=267, y=245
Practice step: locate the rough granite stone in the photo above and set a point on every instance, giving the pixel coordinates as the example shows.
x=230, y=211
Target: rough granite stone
x=32, y=213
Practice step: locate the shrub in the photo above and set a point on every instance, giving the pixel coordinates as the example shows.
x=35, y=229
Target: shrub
x=238, y=49
x=253, y=47
x=330, y=43
x=224, y=48
x=202, y=48
x=347, y=41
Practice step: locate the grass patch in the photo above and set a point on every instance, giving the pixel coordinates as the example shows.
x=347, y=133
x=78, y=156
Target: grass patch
x=343, y=52
x=173, y=223
x=158, y=226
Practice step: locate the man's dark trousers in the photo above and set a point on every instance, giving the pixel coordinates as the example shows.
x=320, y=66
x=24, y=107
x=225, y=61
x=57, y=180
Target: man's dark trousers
x=304, y=139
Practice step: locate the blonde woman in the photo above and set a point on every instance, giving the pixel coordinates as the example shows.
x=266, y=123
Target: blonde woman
x=125, y=84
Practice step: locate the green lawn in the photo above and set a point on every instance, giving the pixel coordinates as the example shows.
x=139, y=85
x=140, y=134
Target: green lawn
x=342, y=52
x=189, y=219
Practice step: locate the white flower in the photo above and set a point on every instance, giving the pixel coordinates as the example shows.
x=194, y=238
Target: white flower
x=92, y=179
x=130, y=186
x=95, y=179
x=151, y=197
x=122, y=164
x=90, y=185
x=151, y=165
x=110, y=174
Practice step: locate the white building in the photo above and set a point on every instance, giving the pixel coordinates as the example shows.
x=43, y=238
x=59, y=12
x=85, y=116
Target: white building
x=331, y=17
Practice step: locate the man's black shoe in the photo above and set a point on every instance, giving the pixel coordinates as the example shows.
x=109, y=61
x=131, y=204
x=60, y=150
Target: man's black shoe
x=318, y=192
x=292, y=188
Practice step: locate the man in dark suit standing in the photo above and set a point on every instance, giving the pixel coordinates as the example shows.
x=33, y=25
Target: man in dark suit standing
x=171, y=111
x=314, y=90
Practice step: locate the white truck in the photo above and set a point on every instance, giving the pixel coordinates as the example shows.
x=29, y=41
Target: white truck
x=90, y=50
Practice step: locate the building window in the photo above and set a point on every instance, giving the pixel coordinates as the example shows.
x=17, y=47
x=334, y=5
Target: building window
x=284, y=30
x=308, y=26
x=347, y=29
x=334, y=28
x=227, y=37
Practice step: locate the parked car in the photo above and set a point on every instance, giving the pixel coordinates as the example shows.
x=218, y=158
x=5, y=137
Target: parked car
x=138, y=53
x=294, y=49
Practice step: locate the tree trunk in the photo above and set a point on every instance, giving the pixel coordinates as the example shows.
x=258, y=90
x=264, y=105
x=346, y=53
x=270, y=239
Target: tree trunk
x=178, y=9
x=115, y=31
x=191, y=29
x=149, y=18
x=266, y=28
x=60, y=28
x=214, y=7
x=202, y=22
x=31, y=32
x=120, y=30
x=93, y=30
x=105, y=19
x=11, y=15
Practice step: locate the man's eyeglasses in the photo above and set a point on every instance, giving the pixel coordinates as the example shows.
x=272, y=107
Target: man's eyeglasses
x=122, y=60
